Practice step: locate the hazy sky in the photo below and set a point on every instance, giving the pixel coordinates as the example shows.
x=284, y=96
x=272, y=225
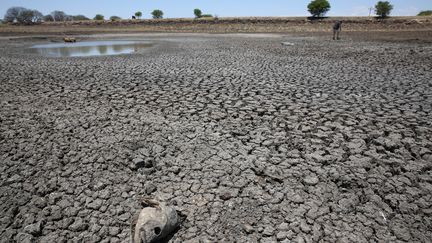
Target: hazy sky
x=222, y=8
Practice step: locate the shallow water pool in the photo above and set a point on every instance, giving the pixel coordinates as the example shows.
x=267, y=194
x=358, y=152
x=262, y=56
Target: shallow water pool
x=90, y=48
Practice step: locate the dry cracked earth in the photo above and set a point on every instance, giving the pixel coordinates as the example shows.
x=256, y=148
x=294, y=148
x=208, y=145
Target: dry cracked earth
x=250, y=140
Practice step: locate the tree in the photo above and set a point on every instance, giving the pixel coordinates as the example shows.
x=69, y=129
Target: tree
x=115, y=18
x=157, y=14
x=318, y=8
x=37, y=17
x=28, y=16
x=138, y=14
x=23, y=16
x=197, y=13
x=59, y=15
x=99, y=17
x=48, y=18
x=425, y=13
x=12, y=14
x=383, y=9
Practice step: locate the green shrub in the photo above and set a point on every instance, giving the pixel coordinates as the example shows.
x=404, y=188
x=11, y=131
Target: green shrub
x=383, y=9
x=157, y=14
x=59, y=15
x=425, y=13
x=318, y=8
x=99, y=17
x=115, y=18
x=206, y=16
x=79, y=17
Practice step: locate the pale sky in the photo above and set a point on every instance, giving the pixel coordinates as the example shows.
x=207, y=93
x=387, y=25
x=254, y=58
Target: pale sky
x=222, y=8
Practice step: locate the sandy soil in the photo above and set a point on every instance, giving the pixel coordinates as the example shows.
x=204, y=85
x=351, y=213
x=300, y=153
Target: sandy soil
x=251, y=140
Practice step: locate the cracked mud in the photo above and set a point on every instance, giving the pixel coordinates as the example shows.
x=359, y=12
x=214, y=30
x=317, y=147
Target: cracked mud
x=251, y=140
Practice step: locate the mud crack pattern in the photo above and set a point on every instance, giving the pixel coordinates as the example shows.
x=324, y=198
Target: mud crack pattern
x=251, y=140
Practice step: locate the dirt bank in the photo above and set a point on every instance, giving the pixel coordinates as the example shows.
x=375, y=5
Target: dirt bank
x=225, y=25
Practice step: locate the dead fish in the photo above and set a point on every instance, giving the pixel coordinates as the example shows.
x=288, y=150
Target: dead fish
x=154, y=223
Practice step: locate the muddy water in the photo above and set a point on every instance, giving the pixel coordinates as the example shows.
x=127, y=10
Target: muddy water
x=89, y=48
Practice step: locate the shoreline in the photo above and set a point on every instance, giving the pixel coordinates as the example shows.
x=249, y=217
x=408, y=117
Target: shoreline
x=413, y=36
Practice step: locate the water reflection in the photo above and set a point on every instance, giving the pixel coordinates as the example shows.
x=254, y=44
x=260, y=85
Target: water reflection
x=90, y=48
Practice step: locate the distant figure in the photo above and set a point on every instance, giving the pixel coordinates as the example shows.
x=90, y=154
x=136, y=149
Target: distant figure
x=133, y=17
x=337, y=28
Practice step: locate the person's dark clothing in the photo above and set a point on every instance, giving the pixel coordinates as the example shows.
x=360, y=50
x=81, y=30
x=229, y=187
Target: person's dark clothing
x=337, y=25
x=337, y=28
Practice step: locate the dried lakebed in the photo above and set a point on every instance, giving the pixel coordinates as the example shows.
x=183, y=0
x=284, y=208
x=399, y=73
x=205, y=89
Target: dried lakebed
x=251, y=140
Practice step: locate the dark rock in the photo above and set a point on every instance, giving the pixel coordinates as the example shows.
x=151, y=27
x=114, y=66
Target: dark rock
x=225, y=196
x=138, y=163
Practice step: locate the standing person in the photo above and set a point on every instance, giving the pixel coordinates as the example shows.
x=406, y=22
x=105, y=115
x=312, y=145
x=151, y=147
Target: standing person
x=337, y=28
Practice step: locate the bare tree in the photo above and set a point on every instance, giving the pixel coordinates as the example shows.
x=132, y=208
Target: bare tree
x=23, y=16
x=28, y=16
x=12, y=14
x=59, y=15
